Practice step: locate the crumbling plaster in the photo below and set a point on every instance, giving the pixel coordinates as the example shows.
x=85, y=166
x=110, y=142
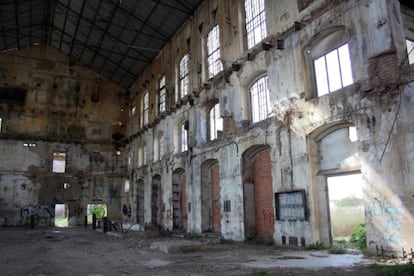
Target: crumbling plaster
x=372, y=104
x=59, y=113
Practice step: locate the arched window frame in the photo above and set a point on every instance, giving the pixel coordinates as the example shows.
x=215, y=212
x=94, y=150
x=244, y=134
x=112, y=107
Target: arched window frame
x=215, y=122
x=260, y=105
x=183, y=77
x=162, y=95
x=329, y=59
x=214, y=63
x=256, y=29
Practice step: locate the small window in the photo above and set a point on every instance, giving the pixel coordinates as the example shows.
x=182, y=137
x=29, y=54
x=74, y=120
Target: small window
x=144, y=109
x=183, y=78
x=161, y=147
x=184, y=137
x=260, y=102
x=140, y=156
x=353, y=134
x=216, y=122
x=213, y=52
x=161, y=95
x=127, y=186
x=255, y=21
x=227, y=206
x=410, y=50
x=333, y=70
x=132, y=111
x=144, y=155
x=59, y=162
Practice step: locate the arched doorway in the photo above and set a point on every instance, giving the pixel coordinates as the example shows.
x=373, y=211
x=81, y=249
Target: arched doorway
x=156, y=200
x=179, y=199
x=210, y=196
x=258, y=192
x=334, y=164
x=140, y=200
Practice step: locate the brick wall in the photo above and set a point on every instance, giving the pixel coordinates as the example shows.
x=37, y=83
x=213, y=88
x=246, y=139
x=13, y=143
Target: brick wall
x=262, y=177
x=183, y=200
x=215, y=194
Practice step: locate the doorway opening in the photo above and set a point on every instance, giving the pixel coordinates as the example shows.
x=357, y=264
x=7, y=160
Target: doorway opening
x=61, y=215
x=99, y=210
x=346, y=205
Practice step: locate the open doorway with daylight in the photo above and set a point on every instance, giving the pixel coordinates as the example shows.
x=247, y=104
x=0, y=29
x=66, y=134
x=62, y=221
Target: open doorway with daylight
x=61, y=215
x=98, y=209
x=346, y=205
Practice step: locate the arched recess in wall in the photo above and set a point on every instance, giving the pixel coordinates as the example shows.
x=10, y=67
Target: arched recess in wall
x=140, y=201
x=156, y=200
x=259, y=215
x=245, y=93
x=210, y=196
x=320, y=44
x=332, y=152
x=179, y=199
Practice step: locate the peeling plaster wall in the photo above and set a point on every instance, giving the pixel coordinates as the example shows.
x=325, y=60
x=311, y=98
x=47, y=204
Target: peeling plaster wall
x=67, y=108
x=379, y=104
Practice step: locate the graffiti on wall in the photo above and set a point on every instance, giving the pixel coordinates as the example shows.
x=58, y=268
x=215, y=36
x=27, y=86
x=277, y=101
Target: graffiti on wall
x=391, y=216
x=41, y=213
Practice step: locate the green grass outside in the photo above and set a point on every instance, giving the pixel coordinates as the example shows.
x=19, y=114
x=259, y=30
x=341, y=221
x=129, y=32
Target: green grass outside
x=345, y=220
x=61, y=222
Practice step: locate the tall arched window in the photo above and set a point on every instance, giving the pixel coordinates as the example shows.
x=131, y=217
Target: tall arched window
x=329, y=60
x=183, y=77
x=213, y=52
x=144, y=109
x=215, y=122
x=184, y=136
x=259, y=99
x=333, y=70
x=161, y=95
x=255, y=21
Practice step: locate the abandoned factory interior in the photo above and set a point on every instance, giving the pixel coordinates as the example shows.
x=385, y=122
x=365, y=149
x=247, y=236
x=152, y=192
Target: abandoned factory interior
x=239, y=118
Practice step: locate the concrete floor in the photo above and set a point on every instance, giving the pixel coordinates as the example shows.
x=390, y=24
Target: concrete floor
x=80, y=251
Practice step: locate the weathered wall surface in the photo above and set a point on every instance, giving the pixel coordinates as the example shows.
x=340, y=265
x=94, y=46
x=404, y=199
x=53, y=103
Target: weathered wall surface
x=65, y=108
x=378, y=104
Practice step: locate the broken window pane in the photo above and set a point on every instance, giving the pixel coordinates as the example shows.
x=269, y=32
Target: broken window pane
x=184, y=142
x=216, y=122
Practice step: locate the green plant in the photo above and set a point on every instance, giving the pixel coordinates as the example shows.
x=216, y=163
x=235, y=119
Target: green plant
x=336, y=250
x=349, y=202
x=98, y=209
x=359, y=237
x=391, y=270
x=261, y=273
x=316, y=246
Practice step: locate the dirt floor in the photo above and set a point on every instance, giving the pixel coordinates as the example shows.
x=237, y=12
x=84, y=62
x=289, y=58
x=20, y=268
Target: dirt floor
x=81, y=251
